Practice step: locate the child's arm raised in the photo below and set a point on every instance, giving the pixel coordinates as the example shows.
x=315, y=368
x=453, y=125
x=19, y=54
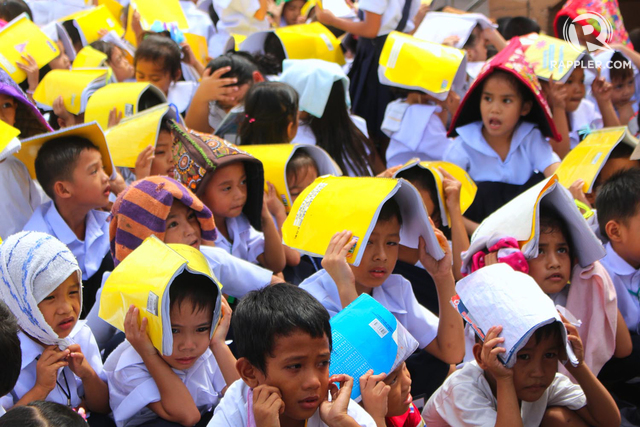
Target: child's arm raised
x=212, y=88
x=47, y=367
x=334, y=413
x=96, y=391
x=276, y=208
x=602, y=93
x=459, y=236
x=225, y=359
x=368, y=28
x=335, y=262
x=176, y=403
x=273, y=257
x=375, y=396
x=557, y=98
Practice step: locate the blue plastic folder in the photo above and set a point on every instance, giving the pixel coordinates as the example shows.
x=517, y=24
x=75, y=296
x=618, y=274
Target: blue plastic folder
x=367, y=336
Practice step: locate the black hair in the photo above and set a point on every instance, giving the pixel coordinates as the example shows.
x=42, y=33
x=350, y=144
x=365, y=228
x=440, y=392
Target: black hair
x=560, y=23
x=473, y=38
x=553, y=329
x=104, y=47
x=424, y=180
x=273, y=46
x=520, y=26
x=42, y=414
x=522, y=90
x=618, y=198
x=269, y=108
x=390, y=209
x=57, y=159
x=242, y=66
x=11, y=355
x=634, y=36
x=276, y=311
x=11, y=9
x=160, y=50
x=336, y=133
x=301, y=159
x=194, y=288
x=74, y=34
x=550, y=221
x=621, y=151
x=619, y=67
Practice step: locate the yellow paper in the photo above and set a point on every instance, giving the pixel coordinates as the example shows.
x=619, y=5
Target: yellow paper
x=146, y=128
x=90, y=21
x=143, y=279
x=89, y=57
x=198, y=45
x=150, y=11
x=7, y=134
x=415, y=64
x=126, y=98
x=70, y=84
x=548, y=55
x=586, y=160
x=21, y=37
x=114, y=7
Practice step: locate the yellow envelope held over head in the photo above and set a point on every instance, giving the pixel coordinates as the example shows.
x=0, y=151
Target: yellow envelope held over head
x=551, y=56
x=89, y=57
x=169, y=11
x=75, y=87
x=89, y=23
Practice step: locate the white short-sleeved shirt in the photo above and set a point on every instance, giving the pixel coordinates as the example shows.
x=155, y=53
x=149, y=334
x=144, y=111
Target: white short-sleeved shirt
x=415, y=131
x=626, y=280
x=247, y=244
x=200, y=22
x=89, y=252
x=234, y=410
x=20, y=196
x=391, y=12
x=181, y=94
x=45, y=11
x=236, y=17
x=586, y=116
x=132, y=388
x=465, y=399
x=31, y=351
x=395, y=294
x=529, y=152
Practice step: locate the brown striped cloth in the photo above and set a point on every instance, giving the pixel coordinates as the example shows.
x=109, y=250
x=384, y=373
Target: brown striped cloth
x=142, y=209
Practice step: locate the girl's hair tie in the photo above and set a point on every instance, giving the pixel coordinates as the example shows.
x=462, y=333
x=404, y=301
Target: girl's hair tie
x=251, y=119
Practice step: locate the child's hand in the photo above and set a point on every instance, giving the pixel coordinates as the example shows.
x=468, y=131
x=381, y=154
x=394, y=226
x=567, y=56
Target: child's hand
x=274, y=205
x=136, y=25
x=65, y=118
x=451, y=187
x=137, y=334
x=267, y=406
x=114, y=118
x=452, y=102
x=436, y=268
x=30, y=67
x=325, y=16
x=51, y=359
x=335, y=412
x=556, y=94
x=143, y=162
x=577, y=193
x=388, y=173
x=601, y=89
x=575, y=341
x=335, y=259
x=216, y=87
x=220, y=334
x=375, y=394
x=451, y=41
x=78, y=363
x=490, y=351
x=188, y=56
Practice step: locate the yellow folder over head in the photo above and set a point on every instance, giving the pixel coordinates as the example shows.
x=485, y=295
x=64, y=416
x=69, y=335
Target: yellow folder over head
x=144, y=278
x=548, y=55
x=89, y=23
x=89, y=57
x=333, y=204
x=169, y=11
x=588, y=158
x=7, y=134
x=146, y=128
x=126, y=98
x=90, y=131
x=467, y=192
x=75, y=87
x=276, y=157
x=114, y=7
x=21, y=37
x=304, y=41
x=415, y=64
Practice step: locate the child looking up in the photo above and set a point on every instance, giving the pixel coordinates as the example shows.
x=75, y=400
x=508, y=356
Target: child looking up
x=116, y=59
x=60, y=359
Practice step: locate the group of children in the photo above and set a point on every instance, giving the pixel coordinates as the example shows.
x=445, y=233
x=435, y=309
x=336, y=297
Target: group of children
x=214, y=164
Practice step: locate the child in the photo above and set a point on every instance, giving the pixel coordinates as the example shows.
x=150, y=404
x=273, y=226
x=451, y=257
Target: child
x=199, y=23
x=11, y=358
x=291, y=12
x=157, y=160
x=116, y=59
x=60, y=359
x=271, y=114
x=325, y=120
x=501, y=123
x=526, y=390
x=42, y=414
x=71, y=169
x=230, y=183
x=284, y=344
x=148, y=387
x=520, y=26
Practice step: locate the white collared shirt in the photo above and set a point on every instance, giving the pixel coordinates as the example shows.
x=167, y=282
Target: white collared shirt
x=626, y=280
x=31, y=351
x=248, y=243
x=89, y=252
x=586, y=116
x=395, y=294
x=132, y=388
x=466, y=399
x=391, y=13
x=529, y=152
x=181, y=93
x=45, y=11
x=200, y=23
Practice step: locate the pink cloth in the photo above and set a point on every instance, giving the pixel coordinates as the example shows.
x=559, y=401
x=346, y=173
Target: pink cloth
x=508, y=253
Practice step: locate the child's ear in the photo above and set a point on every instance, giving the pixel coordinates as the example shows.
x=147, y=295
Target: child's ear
x=178, y=74
x=292, y=129
x=526, y=108
x=61, y=189
x=477, y=353
x=251, y=375
x=257, y=77
x=614, y=231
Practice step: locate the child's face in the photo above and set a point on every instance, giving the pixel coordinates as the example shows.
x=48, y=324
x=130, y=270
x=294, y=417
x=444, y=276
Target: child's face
x=432, y=209
x=163, y=163
x=380, y=256
x=120, y=66
x=154, y=73
x=575, y=89
x=183, y=226
x=90, y=186
x=300, y=180
x=551, y=269
x=61, y=62
x=399, y=399
x=190, y=329
x=629, y=246
x=501, y=107
x=611, y=167
x=536, y=367
x=226, y=192
x=8, y=106
x=61, y=307
x=291, y=12
x=477, y=52
x=299, y=368
x=623, y=90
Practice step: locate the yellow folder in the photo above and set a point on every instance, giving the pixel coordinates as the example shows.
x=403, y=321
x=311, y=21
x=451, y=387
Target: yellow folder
x=467, y=191
x=548, y=55
x=114, y=7
x=89, y=22
x=586, y=160
x=198, y=45
x=414, y=64
x=144, y=278
x=21, y=37
x=126, y=98
x=333, y=204
x=145, y=126
x=89, y=57
x=150, y=11
x=75, y=86
x=7, y=134
x=275, y=158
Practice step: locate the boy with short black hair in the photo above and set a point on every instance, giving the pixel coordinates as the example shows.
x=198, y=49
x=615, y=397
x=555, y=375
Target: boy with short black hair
x=11, y=355
x=283, y=340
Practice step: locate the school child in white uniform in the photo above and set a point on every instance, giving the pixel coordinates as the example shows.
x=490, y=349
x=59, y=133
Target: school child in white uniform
x=242, y=17
x=199, y=22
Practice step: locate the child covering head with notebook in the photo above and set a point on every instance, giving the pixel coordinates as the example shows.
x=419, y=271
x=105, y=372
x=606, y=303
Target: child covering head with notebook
x=60, y=359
